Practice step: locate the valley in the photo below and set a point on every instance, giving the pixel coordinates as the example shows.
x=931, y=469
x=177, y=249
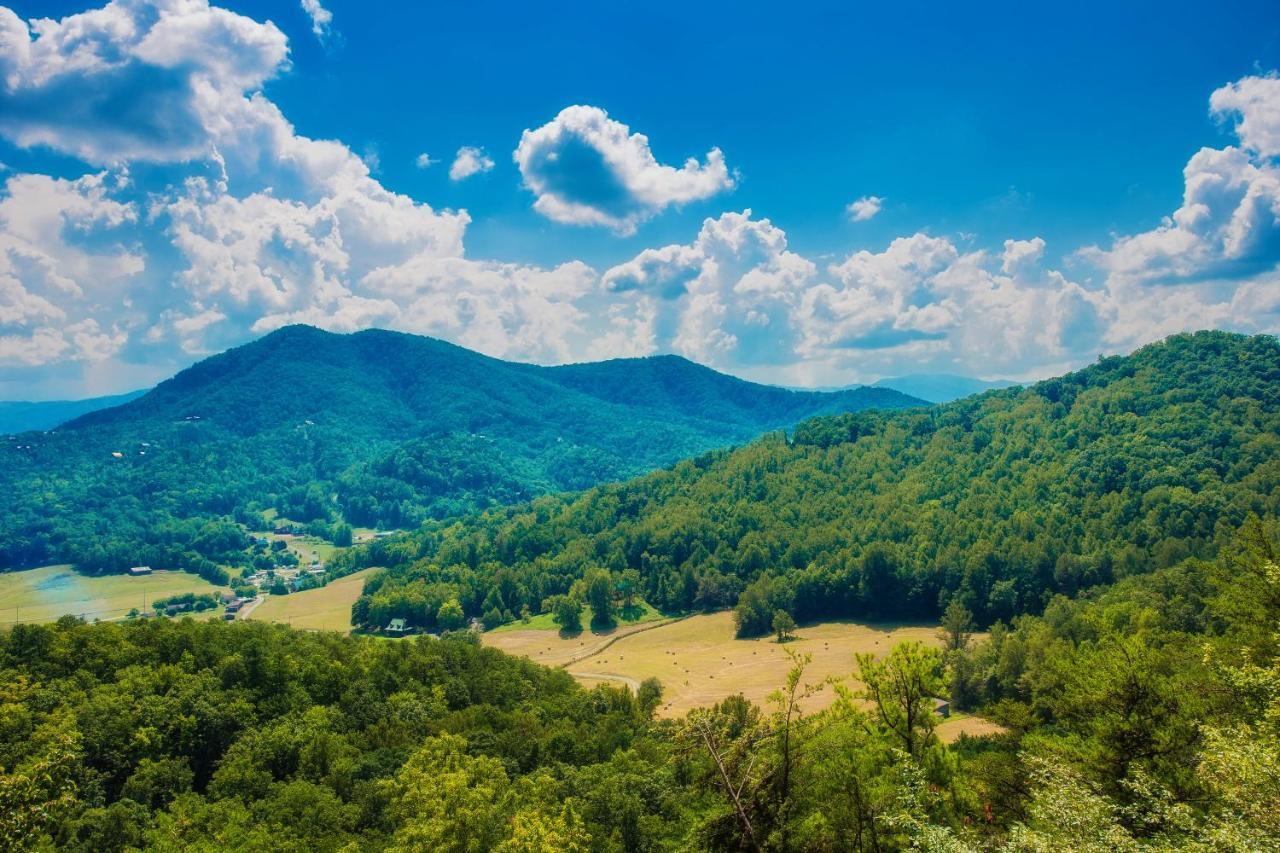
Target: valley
x=325, y=608
x=44, y=594
x=639, y=427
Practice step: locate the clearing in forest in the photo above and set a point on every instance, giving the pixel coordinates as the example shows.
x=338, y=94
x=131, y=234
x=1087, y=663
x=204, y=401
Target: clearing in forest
x=699, y=661
x=44, y=594
x=325, y=608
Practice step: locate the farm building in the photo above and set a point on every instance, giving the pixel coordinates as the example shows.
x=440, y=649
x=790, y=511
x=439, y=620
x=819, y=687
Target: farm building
x=140, y=570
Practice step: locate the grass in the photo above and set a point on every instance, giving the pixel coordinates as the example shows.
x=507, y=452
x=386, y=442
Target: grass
x=44, y=594
x=641, y=612
x=307, y=547
x=699, y=661
x=325, y=608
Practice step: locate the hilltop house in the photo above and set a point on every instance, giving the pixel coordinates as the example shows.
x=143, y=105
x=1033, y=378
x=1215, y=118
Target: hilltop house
x=398, y=628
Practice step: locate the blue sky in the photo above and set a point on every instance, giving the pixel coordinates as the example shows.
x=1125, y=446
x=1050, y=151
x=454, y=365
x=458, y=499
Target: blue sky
x=1038, y=186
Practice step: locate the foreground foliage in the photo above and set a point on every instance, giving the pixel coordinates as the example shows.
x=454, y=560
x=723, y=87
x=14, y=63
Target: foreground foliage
x=1143, y=717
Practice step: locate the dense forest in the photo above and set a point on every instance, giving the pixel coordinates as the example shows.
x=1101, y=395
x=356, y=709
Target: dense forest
x=371, y=429
x=998, y=502
x=1140, y=717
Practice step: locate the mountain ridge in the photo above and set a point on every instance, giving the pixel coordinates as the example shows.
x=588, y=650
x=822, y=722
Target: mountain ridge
x=374, y=428
x=1000, y=501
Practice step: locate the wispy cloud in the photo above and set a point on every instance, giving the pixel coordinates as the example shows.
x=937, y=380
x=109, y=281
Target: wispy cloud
x=864, y=208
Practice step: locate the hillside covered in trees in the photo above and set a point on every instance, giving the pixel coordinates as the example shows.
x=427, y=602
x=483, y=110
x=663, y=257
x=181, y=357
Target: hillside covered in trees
x=997, y=501
x=375, y=429
x=1142, y=717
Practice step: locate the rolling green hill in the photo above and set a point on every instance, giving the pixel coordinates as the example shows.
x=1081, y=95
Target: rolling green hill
x=998, y=501
x=374, y=428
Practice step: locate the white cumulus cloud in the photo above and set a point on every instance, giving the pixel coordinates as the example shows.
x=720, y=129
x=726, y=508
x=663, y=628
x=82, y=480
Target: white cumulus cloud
x=864, y=208
x=468, y=161
x=588, y=169
x=1255, y=104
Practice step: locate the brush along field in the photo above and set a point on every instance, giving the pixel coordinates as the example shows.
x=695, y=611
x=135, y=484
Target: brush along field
x=699, y=661
x=44, y=594
x=325, y=608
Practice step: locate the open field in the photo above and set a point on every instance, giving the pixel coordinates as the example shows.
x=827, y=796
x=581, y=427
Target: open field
x=699, y=662
x=325, y=608
x=306, y=547
x=547, y=647
x=949, y=731
x=44, y=594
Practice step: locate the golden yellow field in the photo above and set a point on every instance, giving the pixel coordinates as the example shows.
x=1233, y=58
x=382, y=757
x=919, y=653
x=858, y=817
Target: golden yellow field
x=44, y=594
x=545, y=645
x=326, y=608
x=699, y=662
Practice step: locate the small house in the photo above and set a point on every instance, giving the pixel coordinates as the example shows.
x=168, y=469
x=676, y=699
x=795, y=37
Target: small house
x=140, y=570
x=398, y=627
x=942, y=707
x=233, y=607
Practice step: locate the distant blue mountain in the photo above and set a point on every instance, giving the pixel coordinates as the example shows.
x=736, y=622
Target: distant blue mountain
x=20, y=416
x=941, y=387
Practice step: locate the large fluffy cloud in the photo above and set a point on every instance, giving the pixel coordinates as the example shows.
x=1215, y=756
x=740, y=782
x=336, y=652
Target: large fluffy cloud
x=131, y=81
x=1213, y=261
x=587, y=169
x=267, y=223
x=245, y=224
x=56, y=249
x=739, y=299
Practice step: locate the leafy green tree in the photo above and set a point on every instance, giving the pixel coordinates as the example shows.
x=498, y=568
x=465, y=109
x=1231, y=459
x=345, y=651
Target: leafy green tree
x=956, y=627
x=901, y=688
x=784, y=626
x=566, y=611
x=450, y=616
x=599, y=595
x=649, y=695
x=443, y=799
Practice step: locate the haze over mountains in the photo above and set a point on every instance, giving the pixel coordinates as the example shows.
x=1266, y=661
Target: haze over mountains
x=941, y=387
x=21, y=416
x=374, y=428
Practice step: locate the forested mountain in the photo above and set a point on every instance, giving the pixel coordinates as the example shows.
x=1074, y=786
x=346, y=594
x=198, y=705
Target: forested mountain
x=1143, y=717
x=18, y=416
x=996, y=501
x=940, y=387
x=374, y=428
